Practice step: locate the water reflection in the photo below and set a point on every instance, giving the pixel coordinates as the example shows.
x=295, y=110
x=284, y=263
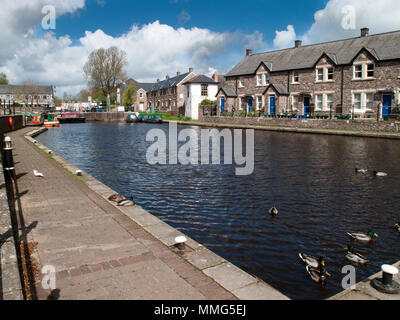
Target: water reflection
x=310, y=178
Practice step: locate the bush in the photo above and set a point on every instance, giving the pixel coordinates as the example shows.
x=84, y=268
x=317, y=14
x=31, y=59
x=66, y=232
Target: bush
x=207, y=102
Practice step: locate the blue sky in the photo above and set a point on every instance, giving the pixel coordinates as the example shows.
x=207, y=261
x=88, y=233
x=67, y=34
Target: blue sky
x=162, y=37
x=116, y=17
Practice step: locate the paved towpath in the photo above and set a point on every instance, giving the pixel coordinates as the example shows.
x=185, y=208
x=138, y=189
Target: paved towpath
x=98, y=252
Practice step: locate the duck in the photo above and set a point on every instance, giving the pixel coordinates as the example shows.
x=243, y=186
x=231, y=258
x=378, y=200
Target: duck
x=273, y=211
x=363, y=237
x=116, y=198
x=318, y=275
x=127, y=203
x=354, y=256
x=397, y=226
x=312, y=261
x=380, y=174
x=363, y=171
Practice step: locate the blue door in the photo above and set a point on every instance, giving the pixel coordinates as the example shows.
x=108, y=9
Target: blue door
x=250, y=104
x=272, y=107
x=387, y=105
x=307, y=108
x=222, y=105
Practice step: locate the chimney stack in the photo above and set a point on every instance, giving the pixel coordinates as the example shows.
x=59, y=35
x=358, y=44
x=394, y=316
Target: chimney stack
x=215, y=76
x=158, y=80
x=178, y=74
x=249, y=52
x=190, y=70
x=167, y=77
x=364, y=32
x=298, y=43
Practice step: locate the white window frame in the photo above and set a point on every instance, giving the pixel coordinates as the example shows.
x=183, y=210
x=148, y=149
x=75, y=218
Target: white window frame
x=204, y=87
x=325, y=74
x=364, y=70
x=241, y=82
x=295, y=74
x=319, y=99
x=258, y=106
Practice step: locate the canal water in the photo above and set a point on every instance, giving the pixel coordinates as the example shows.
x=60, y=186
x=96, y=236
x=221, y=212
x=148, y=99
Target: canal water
x=310, y=178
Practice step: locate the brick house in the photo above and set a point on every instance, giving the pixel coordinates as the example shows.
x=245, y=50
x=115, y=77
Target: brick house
x=169, y=95
x=359, y=76
x=141, y=103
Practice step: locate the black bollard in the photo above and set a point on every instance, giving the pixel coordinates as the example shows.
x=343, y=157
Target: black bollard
x=386, y=284
x=8, y=158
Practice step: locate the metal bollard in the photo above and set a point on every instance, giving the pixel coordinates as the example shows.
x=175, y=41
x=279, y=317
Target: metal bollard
x=8, y=158
x=386, y=284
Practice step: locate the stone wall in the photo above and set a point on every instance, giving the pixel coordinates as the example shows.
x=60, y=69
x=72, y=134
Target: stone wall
x=105, y=116
x=355, y=125
x=5, y=126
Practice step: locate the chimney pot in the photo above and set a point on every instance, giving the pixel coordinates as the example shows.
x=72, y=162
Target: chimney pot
x=298, y=43
x=167, y=77
x=190, y=69
x=158, y=80
x=215, y=76
x=178, y=73
x=364, y=32
x=249, y=52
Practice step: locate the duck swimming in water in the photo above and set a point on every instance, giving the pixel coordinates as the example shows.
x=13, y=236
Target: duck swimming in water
x=363, y=171
x=354, y=256
x=363, y=237
x=380, y=174
x=312, y=261
x=273, y=211
x=318, y=275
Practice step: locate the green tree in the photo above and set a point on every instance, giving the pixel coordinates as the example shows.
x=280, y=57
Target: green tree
x=3, y=79
x=129, y=95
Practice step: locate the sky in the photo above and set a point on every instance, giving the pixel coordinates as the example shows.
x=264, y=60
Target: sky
x=162, y=37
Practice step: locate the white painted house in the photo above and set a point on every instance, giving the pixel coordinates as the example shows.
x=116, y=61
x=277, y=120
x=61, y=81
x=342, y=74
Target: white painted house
x=198, y=89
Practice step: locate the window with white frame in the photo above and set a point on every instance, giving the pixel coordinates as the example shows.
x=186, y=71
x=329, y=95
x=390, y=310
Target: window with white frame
x=370, y=70
x=320, y=74
x=259, y=102
x=370, y=101
x=364, y=71
x=357, y=102
x=295, y=102
x=329, y=101
x=241, y=82
x=330, y=73
x=204, y=90
x=141, y=95
x=319, y=102
x=260, y=79
x=295, y=77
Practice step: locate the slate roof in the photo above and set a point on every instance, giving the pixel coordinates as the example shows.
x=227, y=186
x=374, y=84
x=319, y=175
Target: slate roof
x=280, y=88
x=382, y=47
x=26, y=89
x=145, y=86
x=171, y=82
x=229, y=91
x=201, y=79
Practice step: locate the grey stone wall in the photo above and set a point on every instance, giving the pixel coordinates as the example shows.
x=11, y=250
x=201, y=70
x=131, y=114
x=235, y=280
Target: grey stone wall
x=5, y=126
x=356, y=125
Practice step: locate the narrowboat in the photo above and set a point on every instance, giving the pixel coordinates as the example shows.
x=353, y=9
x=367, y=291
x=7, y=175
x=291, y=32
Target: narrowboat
x=72, y=117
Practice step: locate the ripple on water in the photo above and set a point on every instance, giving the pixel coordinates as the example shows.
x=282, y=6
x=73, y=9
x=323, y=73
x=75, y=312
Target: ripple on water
x=310, y=178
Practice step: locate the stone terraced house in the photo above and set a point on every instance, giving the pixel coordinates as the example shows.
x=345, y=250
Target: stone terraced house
x=30, y=95
x=169, y=95
x=359, y=76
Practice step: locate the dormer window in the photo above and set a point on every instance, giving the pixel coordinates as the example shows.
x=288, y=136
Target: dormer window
x=364, y=71
x=260, y=79
x=325, y=74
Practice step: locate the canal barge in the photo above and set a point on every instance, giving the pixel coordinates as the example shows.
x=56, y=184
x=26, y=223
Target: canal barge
x=147, y=118
x=72, y=117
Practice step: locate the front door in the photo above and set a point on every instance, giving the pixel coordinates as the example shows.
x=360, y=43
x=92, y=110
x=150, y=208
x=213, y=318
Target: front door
x=222, y=105
x=307, y=108
x=387, y=105
x=272, y=106
x=250, y=104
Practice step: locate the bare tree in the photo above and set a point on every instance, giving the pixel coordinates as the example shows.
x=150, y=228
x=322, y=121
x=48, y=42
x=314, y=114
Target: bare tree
x=105, y=69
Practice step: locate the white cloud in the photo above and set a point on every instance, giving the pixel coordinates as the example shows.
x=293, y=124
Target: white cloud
x=379, y=16
x=286, y=38
x=154, y=50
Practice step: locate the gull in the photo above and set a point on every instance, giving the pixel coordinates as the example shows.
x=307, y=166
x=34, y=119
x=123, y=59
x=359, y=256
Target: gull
x=38, y=174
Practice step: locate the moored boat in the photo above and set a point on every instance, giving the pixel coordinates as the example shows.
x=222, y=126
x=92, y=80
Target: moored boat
x=72, y=117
